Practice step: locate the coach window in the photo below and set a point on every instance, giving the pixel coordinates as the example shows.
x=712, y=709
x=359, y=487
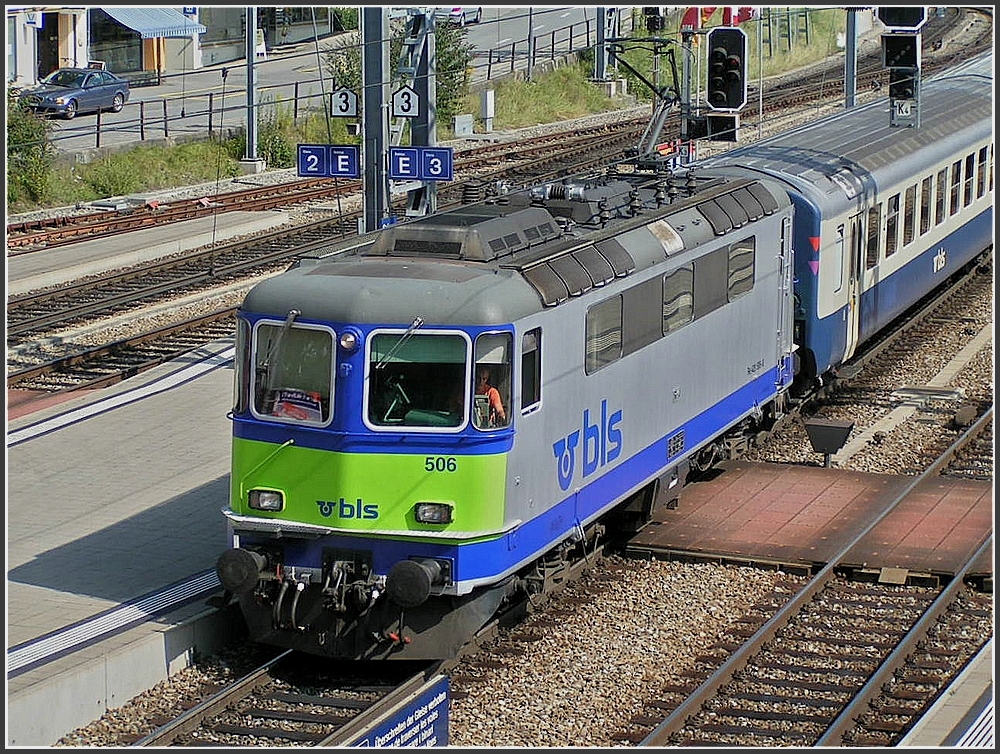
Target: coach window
x=970, y=176
x=941, y=196
x=603, y=334
x=956, y=186
x=493, y=358
x=891, y=225
x=531, y=369
x=874, y=234
x=925, y=204
x=981, y=173
x=909, y=203
x=678, y=298
x=293, y=372
x=838, y=260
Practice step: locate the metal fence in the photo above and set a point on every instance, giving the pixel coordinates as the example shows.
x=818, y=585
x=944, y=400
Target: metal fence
x=215, y=107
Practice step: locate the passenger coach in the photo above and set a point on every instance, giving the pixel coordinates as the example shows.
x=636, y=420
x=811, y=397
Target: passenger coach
x=883, y=214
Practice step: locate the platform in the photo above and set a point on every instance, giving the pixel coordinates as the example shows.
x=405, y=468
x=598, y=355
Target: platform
x=27, y=271
x=113, y=495
x=799, y=516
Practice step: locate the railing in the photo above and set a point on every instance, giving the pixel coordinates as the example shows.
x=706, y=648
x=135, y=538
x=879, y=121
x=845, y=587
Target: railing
x=206, y=112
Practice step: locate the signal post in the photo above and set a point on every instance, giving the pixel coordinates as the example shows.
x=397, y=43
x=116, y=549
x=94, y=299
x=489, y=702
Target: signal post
x=901, y=55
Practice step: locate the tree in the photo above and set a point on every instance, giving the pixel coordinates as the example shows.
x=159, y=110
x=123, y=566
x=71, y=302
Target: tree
x=453, y=54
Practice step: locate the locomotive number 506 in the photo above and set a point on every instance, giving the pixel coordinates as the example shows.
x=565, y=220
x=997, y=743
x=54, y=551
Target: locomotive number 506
x=440, y=463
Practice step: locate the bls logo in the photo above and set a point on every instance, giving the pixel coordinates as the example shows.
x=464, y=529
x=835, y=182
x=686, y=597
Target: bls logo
x=347, y=510
x=602, y=443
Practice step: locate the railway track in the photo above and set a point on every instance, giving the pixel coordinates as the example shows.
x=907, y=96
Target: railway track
x=293, y=700
x=845, y=661
x=35, y=235
x=32, y=312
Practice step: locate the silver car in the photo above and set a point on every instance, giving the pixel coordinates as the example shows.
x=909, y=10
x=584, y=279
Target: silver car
x=68, y=91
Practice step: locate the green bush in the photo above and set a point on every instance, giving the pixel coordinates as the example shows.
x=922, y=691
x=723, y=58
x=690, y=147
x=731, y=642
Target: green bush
x=29, y=154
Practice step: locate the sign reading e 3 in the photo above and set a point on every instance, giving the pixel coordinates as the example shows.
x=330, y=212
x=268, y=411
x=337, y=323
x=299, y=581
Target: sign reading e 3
x=421, y=163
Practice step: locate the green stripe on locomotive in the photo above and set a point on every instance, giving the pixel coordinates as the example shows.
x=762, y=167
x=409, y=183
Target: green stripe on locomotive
x=370, y=491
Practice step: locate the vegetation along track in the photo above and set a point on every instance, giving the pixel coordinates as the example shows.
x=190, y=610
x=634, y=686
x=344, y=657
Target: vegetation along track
x=34, y=235
x=790, y=91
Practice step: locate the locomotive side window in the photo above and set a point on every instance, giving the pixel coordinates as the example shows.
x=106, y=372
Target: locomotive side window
x=741, y=267
x=491, y=403
x=641, y=317
x=603, y=334
x=925, y=204
x=956, y=184
x=241, y=367
x=417, y=380
x=874, y=227
x=981, y=173
x=891, y=225
x=970, y=175
x=711, y=289
x=678, y=298
x=909, y=202
x=941, y=196
x=531, y=369
x=293, y=372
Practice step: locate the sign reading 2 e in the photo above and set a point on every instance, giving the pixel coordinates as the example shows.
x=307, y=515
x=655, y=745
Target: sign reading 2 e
x=421, y=163
x=329, y=161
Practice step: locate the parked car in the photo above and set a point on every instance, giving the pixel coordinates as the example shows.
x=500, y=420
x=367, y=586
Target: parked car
x=68, y=91
x=461, y=16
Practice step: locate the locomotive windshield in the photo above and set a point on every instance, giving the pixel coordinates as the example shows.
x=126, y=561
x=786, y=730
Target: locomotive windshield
x=417, y=380
x=293, y=372
x=428, y=380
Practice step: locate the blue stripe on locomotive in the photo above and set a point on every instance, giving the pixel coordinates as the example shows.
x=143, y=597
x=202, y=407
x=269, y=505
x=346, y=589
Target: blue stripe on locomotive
x=484, y=562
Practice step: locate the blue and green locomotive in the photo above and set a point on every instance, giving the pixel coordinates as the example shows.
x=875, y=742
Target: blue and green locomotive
x=633, y=323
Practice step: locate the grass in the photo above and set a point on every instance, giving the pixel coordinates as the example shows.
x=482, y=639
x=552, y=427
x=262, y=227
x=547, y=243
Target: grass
x=561, y=94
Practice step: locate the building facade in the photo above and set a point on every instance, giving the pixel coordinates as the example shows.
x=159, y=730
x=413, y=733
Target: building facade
x=131, y=41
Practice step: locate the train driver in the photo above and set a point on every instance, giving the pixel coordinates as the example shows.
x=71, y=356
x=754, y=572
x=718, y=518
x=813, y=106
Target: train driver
x=497, y=414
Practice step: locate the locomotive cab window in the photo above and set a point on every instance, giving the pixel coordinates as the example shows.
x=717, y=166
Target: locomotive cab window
x=293, y=372
x=241, y=366
x=416, y=380
x=531, y=369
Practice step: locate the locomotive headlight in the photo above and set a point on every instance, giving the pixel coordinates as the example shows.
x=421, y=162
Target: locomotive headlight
x=434, y=513
x=266, y=500
x=349, y=341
